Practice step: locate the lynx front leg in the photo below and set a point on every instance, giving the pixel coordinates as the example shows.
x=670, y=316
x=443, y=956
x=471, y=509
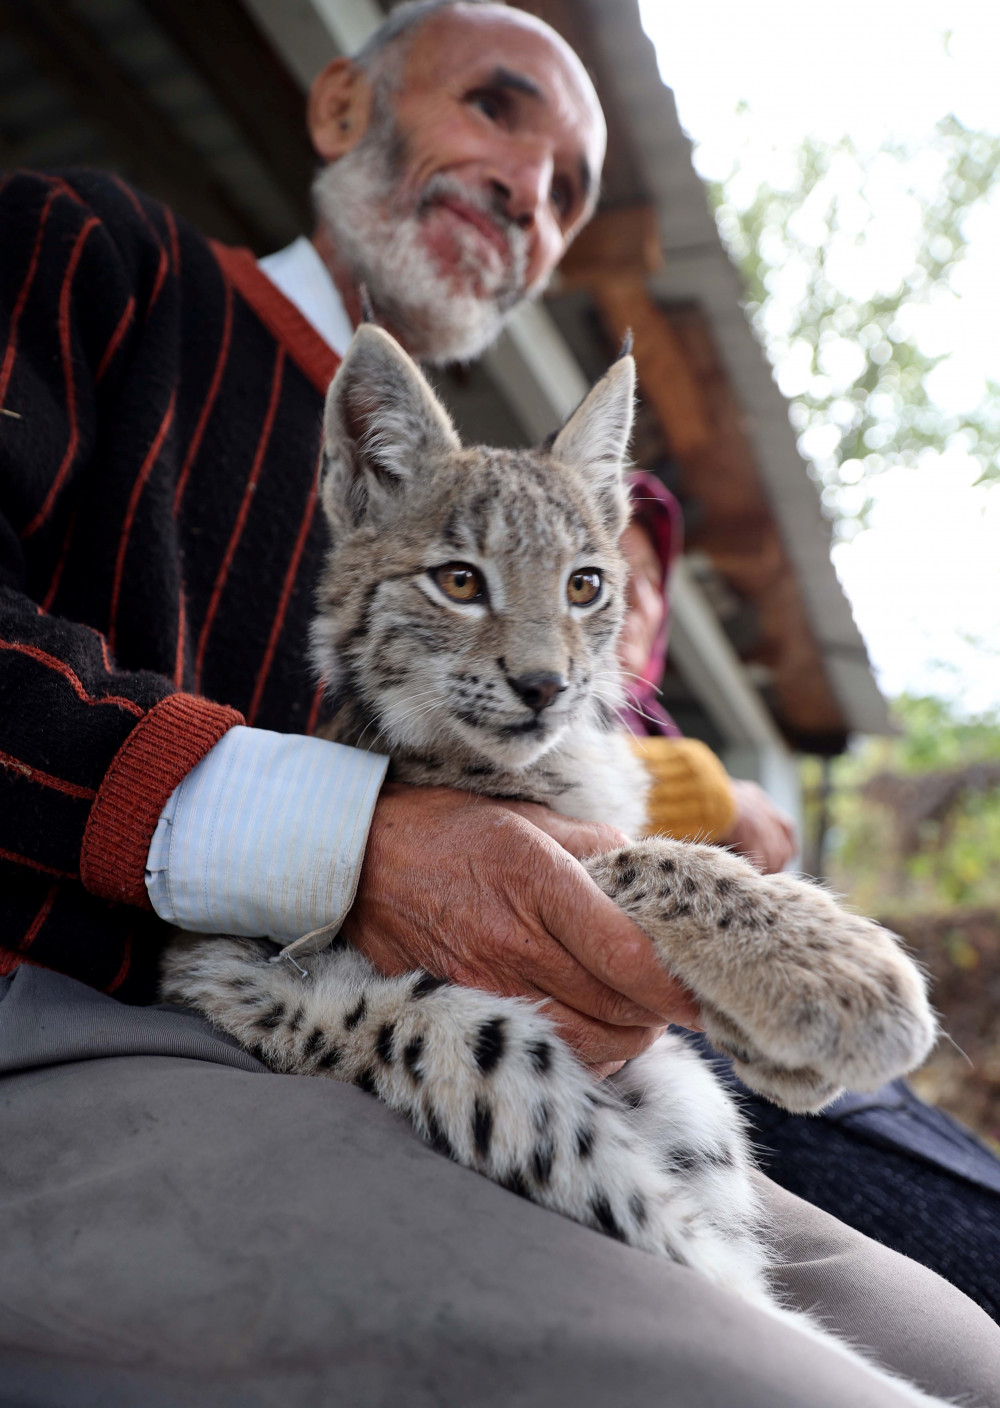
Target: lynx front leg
x=806, y=998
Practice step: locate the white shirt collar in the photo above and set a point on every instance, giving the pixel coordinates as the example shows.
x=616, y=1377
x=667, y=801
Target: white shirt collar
x=300, y=274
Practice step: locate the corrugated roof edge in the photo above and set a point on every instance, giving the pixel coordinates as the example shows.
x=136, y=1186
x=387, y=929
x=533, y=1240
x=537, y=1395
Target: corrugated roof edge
x=697, y=266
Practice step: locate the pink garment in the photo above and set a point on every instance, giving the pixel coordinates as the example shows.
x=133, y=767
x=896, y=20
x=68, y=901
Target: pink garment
x=656, y=509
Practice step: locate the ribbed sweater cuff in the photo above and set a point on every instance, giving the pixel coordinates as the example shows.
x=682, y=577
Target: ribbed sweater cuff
x=690, y=798
x=162, y=749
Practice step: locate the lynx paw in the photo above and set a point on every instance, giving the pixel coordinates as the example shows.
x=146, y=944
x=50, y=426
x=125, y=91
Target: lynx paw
x=806, y=998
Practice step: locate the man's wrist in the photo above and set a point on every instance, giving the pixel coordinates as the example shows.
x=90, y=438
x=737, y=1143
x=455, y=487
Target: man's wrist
x=265, y=836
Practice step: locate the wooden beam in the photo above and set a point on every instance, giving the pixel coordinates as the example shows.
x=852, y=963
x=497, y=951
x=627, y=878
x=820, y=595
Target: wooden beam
x=619, y=243
x=736, y=529
x=158, y=158
x=221, y=41
x=664, y=375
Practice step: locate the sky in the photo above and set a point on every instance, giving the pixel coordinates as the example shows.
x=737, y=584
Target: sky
x=751, y=81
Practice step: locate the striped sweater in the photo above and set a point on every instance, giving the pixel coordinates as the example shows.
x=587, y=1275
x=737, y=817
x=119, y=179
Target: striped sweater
x=160, y=410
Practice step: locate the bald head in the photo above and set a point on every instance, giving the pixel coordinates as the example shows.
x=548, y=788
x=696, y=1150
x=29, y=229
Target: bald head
x=487, y=137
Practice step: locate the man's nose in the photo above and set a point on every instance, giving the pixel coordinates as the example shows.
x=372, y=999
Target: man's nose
x=539, y=688
x=522, y=185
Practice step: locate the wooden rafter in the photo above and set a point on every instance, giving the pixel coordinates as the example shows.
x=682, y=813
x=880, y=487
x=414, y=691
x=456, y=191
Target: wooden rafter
x=664, y=374
x=620, y=242
x=736, y=528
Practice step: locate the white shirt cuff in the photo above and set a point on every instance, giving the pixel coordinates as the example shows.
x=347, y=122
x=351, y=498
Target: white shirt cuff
x=265, y=836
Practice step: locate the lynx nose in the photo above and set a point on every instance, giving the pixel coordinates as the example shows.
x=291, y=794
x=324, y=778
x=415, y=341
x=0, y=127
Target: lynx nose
x=538, y=689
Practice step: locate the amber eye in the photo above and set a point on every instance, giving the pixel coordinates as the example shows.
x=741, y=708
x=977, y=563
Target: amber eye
x=584, y=587
x=459, y=581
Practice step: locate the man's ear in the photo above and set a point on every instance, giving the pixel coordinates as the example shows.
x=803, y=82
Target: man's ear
x=595, y=439
x=340, y=109
x=382, y=424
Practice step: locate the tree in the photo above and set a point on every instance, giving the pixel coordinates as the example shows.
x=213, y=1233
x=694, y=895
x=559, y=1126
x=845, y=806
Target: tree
x=846, y=343
x=916, y=818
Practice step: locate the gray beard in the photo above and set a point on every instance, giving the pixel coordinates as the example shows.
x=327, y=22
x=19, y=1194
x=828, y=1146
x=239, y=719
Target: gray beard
x=379, y=239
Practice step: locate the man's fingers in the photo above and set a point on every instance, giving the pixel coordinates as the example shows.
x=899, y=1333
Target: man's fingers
x=596, y=1043
x=565, y=978
x=613, y=949
x=580, y=838
x=603, y=1069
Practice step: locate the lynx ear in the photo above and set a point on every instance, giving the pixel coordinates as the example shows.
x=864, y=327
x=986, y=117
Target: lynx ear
x=595, y=438
x=382, y=425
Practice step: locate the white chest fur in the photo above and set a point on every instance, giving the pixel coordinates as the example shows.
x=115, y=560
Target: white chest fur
x=612, y=785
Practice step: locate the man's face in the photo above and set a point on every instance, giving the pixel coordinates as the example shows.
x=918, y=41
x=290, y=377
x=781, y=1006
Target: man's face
x=465, y=192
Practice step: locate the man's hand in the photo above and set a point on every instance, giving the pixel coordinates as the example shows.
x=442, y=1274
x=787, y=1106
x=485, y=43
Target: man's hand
x=489, y=895
x=761, y=832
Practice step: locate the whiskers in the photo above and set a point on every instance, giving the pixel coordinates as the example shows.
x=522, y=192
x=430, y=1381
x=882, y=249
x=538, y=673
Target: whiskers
x=422, y=703
x=607, y=687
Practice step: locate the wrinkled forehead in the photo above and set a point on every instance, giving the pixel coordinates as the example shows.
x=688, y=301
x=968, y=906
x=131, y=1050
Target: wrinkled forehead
x=465, y=46
x=499, y=503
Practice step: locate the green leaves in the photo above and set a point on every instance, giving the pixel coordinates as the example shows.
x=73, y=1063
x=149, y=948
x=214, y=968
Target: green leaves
x=916, y=818
x=841, y=266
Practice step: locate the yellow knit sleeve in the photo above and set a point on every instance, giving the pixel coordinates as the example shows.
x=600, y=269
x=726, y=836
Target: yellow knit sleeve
x=690, y=798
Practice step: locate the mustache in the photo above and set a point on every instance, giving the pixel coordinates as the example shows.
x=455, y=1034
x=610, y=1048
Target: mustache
x=489, y=203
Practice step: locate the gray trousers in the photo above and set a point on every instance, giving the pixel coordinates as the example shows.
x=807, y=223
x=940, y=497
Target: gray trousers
x=178, y=1226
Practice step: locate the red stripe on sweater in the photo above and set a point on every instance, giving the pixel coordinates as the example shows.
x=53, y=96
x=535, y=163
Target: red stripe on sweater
x=133, y=503
x=181, y=639
x=63, y=188
x=164, y=263
x=116, y=339
x=43, y=913
x=296, y=334
x=241, y=517
x=10, y=959
x=67, y=361
x=37, y=865
x=58, y=784
x=60, y=666
x=104, y=649
x=161, y=274
x=213, y=391
x=314, y=708
x=10, y=353
x=175, y=249
x=279, y=619
x=122, y=973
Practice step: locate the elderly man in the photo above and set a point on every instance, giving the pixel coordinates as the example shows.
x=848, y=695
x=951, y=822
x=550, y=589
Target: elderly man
x=181, y=1226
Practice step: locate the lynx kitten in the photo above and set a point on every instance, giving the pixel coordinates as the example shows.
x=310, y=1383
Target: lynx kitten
x=467, y=625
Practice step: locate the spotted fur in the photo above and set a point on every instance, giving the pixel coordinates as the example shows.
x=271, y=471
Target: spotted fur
x=805, y=997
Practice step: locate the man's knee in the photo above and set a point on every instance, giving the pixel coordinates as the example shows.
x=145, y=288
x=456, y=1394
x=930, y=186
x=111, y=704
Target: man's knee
x=911, y=1319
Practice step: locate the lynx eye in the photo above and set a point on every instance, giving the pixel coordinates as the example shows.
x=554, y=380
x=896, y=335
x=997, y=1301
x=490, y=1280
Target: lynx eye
x=584, y=587
x=459, y=581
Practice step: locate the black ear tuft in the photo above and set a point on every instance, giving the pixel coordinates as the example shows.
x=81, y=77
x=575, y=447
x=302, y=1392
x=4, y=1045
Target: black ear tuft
x=626, y=347
x=367, y=311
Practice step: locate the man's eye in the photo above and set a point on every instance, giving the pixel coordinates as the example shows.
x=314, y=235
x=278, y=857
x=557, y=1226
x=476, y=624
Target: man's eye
x=459, y=581
x=561, y=196
x=490, y=103
x=584, y=587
